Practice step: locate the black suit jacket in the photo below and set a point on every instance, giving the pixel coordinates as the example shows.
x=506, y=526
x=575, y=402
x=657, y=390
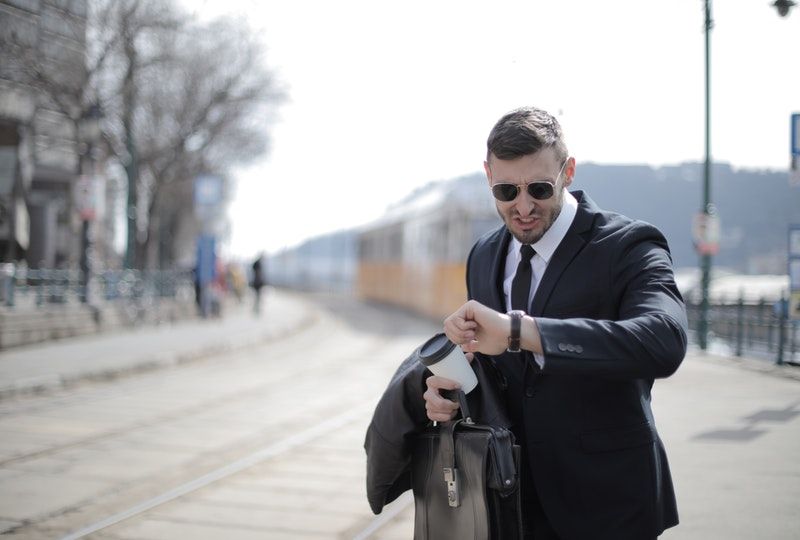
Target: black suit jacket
x=611, y=320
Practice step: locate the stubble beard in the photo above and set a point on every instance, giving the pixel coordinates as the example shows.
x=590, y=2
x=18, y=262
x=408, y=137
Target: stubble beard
x=531, y=237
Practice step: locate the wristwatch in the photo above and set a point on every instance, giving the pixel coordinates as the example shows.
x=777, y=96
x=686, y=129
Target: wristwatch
x=516, y=325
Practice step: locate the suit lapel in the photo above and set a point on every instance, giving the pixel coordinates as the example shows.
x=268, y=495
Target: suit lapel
x=569, y=247
x=498, y=302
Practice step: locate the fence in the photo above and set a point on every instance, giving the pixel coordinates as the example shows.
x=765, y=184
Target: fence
x=39, y=287
x=760, y=329
x=43, y=304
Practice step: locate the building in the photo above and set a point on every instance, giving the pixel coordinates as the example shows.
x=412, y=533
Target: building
x=42, y=80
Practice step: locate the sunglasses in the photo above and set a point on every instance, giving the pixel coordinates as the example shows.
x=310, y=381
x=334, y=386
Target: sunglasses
x=508, y=192
x=540, y=190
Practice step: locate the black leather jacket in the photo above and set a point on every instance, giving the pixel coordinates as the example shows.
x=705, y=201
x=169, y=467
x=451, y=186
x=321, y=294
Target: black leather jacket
x=400, y=415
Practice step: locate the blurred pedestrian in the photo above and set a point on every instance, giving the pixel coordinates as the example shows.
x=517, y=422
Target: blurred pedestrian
x=237, y=282
x=578, y=310
x=258, y=281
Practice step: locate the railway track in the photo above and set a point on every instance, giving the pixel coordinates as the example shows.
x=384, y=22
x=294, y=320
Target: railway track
x=251, y=442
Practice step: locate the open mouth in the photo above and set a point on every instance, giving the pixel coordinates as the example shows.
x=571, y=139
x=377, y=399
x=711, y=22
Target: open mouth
x=526, y=223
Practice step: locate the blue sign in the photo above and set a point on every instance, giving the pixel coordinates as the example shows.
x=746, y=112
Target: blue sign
x=796, y=134
x=206, y=259
x=207, y=190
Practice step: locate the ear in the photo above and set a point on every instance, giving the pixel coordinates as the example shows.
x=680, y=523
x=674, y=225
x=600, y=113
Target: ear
x=488, y=172
x=569, y=171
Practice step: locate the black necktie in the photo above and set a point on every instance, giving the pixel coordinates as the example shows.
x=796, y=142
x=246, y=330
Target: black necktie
x=521, y=285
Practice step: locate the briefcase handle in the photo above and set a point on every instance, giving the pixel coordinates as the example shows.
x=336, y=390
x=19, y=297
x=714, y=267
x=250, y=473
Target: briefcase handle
x=448, y=451
x=461, y=397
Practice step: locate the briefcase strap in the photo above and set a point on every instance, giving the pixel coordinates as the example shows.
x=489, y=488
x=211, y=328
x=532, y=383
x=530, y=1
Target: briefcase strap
x=448, y=453
x=447, y=430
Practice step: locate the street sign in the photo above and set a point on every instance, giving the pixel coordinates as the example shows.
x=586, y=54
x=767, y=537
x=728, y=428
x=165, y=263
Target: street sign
x=705, y=233
x=207, y=198
x=794, y=305
x=794, y=241
x=207, y=190
x=796, y=134
x=85, y=200
x=794, y=171
x=794, y=271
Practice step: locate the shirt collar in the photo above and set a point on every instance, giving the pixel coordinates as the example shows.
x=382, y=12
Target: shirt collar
x=548, y=243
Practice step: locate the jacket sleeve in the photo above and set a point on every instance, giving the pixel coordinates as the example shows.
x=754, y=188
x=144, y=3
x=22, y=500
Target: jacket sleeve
x=399, y=415
x=647, y=339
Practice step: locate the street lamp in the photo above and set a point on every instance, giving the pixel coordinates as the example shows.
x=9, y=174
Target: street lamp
x=707, y=215
x=784, y=6
x=90, y=133
x=708, y=209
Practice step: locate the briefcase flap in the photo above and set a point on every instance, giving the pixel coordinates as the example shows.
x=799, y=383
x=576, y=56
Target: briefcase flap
x=501, y=471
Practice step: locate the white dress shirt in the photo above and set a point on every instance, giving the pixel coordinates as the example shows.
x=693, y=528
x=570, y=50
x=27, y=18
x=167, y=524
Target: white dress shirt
x=545, y=248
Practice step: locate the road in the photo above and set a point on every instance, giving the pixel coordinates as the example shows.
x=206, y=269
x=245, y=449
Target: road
x=265, y=442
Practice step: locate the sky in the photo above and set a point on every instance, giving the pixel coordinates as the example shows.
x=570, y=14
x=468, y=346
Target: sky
x=384, y=96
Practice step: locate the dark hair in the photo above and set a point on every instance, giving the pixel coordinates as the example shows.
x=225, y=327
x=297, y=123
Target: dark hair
x=525, y=131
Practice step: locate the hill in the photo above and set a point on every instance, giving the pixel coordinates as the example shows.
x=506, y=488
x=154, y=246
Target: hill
x=755, y=208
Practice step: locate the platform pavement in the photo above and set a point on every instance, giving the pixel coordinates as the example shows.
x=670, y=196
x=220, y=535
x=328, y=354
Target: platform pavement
x=730, y=425
x=62, y=363
x=731, y=428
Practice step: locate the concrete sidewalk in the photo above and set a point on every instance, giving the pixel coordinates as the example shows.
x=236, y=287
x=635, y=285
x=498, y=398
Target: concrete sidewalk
x=732, y=434
x=63, y=363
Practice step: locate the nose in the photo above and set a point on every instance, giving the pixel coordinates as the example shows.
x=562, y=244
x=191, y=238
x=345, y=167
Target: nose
x=524, y=203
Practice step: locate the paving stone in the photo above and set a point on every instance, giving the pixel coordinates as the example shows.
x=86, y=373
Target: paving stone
x=32, y=495
x=160, y=529
x=7, y=524
x=122, y=464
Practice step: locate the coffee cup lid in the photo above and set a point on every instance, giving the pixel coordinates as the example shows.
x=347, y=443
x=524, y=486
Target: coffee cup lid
x=435, y=349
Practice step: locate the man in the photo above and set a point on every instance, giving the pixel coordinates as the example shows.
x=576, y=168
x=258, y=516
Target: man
x=258, y=282
x=589, y=299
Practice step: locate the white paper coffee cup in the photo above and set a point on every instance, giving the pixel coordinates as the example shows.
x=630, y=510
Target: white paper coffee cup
x=445, y=359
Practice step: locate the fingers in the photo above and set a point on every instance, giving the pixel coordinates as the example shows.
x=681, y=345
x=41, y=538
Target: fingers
x=458, y=329
x=470, y=347
x=438, y=408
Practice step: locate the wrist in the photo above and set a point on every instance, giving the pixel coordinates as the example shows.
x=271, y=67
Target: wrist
x=531, y=340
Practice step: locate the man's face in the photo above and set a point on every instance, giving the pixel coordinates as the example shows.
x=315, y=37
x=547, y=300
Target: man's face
x=528, y=218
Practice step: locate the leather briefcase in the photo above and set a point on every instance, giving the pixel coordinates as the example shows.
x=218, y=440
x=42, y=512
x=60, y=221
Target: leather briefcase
x=465, y=478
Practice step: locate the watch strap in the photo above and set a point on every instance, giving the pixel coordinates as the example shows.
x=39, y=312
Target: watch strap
x=516, y=330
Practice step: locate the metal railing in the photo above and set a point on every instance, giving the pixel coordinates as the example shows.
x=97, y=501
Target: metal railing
x=760, y=329
x=41, y=287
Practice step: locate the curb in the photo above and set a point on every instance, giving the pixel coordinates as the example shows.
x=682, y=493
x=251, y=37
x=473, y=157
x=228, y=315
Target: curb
x=153, y=362
x=784, y=371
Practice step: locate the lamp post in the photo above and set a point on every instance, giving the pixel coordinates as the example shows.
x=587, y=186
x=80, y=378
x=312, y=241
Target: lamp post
x=90, y=132
x=708, y=209
x=707, y=215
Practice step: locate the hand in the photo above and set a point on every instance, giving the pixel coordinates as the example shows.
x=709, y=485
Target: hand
x=478, y=328
x=439, y=409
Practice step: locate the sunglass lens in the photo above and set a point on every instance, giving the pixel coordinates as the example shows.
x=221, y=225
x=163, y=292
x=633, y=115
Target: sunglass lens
x=540, y=190
x=505, y=192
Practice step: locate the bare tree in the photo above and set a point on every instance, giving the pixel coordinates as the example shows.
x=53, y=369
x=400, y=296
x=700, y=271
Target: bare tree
x=180, y=98
x=186, y=99
x=206, y=110
x=126, y=41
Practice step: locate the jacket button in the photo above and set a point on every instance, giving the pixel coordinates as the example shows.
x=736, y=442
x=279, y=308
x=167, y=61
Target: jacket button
x=562, y=347
x=529, y=392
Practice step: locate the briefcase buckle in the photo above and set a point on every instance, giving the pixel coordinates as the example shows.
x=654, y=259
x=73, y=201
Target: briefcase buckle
x=453, y=491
